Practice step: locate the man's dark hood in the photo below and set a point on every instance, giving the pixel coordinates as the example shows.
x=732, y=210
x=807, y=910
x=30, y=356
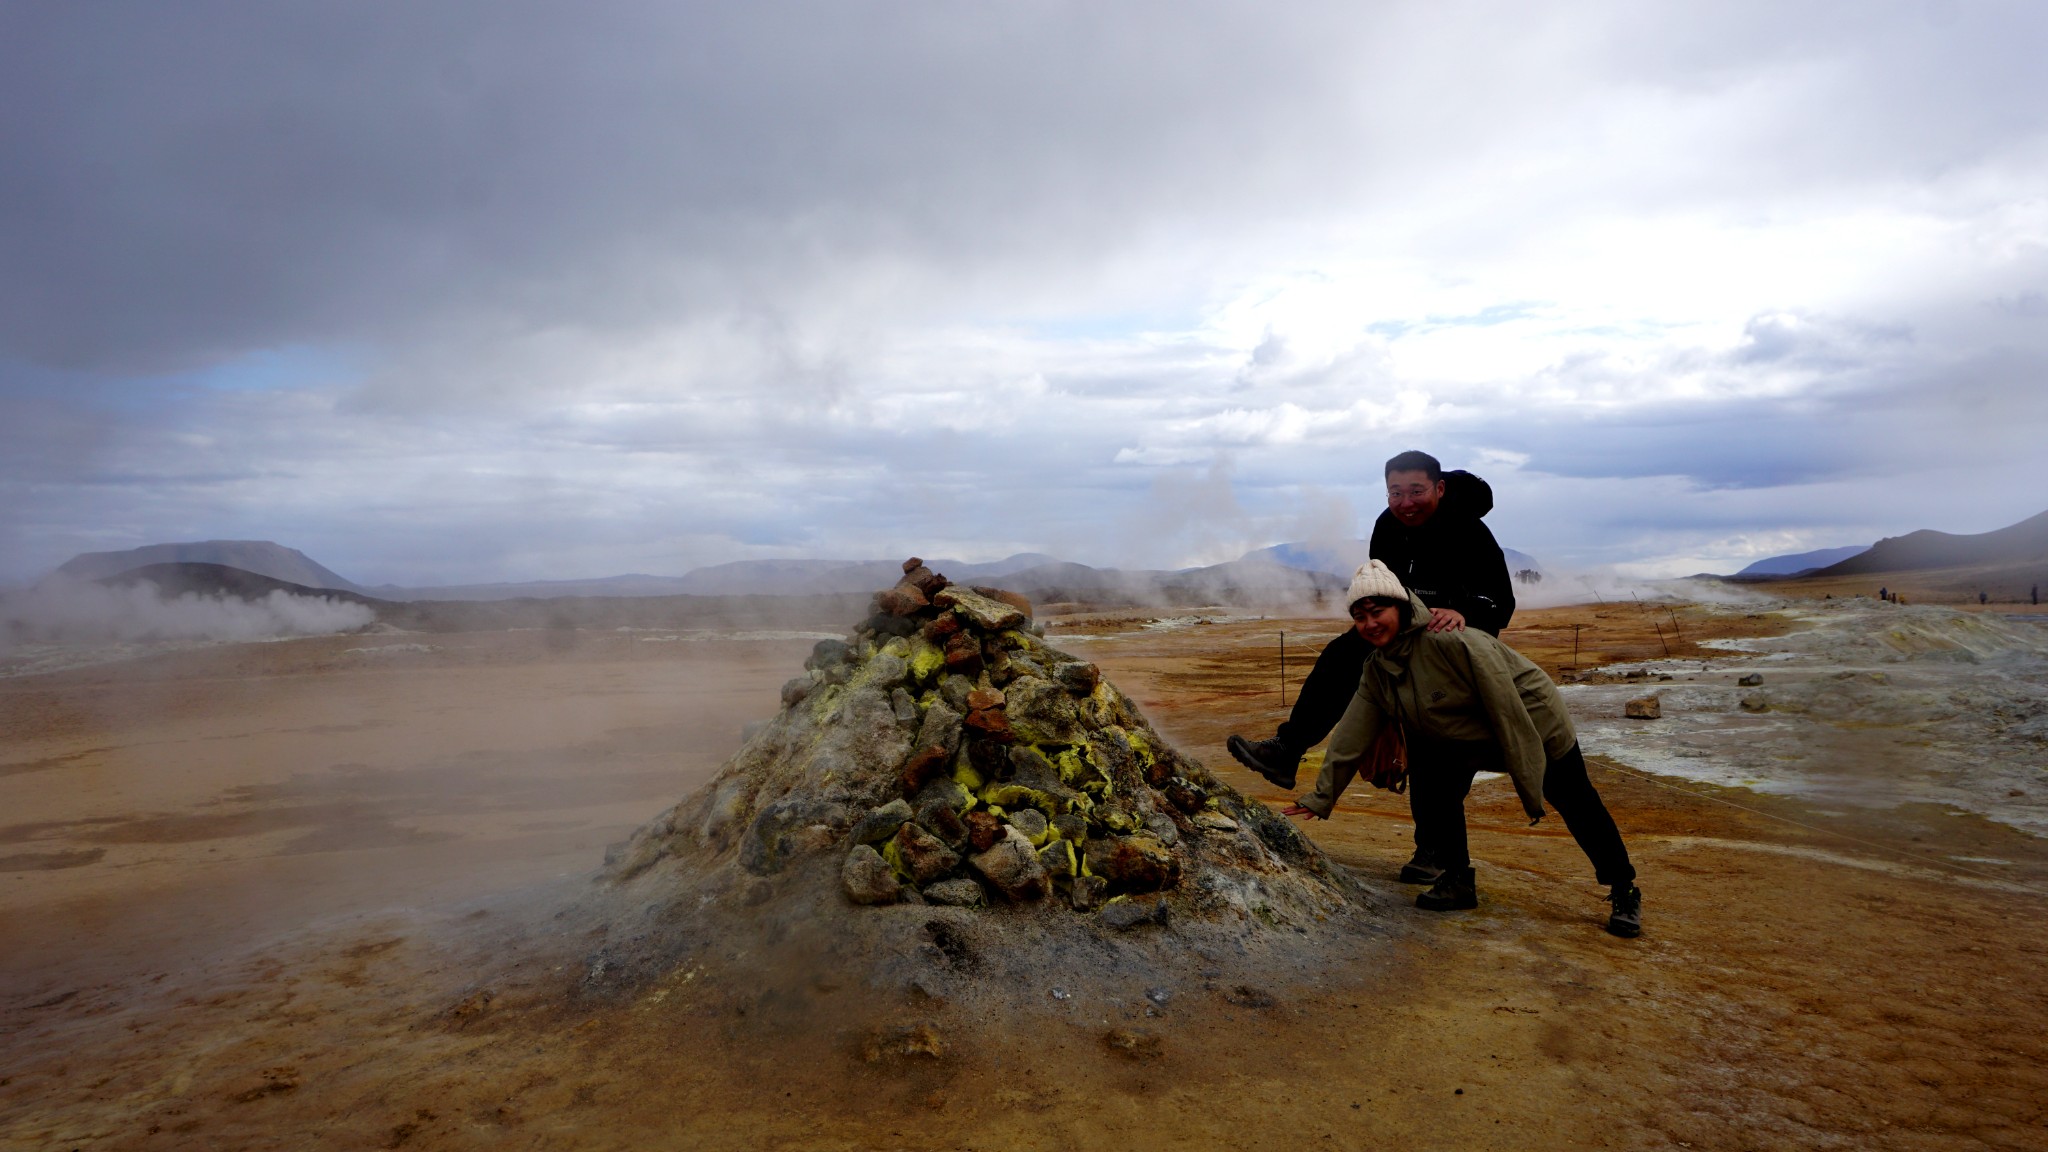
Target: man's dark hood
x=1465, y=495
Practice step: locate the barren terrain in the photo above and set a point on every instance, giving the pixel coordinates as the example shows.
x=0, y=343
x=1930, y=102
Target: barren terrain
x=324, y=893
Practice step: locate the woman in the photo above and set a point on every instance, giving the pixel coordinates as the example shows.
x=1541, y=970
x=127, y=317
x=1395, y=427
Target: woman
x=1467, y=703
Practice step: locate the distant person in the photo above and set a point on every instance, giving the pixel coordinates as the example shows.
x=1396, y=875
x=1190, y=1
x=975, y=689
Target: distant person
x=2036, y=594
x=1983, y=599
x=1432, y=538
x=1469, y=704
x=1884, y=594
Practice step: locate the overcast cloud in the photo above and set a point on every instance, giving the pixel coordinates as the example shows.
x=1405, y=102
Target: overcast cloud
x=477, y=291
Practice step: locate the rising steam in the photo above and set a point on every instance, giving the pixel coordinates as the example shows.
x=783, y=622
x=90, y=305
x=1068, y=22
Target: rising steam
x=79, y=613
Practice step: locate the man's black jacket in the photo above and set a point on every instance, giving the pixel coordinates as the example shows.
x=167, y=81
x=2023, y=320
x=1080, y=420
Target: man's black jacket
x=1451, y=561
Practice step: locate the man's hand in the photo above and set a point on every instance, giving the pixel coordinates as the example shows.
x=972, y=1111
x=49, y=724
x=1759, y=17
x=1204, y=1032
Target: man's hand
x=1298, y=810
x=1446, y=620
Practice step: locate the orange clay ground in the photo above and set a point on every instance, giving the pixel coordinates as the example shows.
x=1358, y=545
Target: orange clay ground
x=246, y=886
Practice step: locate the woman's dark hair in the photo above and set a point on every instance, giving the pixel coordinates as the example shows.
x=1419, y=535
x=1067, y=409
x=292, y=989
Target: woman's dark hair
x=1397, y=603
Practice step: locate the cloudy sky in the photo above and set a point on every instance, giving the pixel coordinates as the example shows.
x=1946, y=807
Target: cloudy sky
x=505, y=290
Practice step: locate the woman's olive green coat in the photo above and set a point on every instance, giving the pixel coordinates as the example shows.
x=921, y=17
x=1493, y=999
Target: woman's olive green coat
x=1464, y=686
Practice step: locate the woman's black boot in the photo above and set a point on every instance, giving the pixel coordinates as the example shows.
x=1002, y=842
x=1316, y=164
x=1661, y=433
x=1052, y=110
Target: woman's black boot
x=1454, y=891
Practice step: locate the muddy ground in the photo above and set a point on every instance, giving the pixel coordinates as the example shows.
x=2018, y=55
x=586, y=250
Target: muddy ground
x=324, y=893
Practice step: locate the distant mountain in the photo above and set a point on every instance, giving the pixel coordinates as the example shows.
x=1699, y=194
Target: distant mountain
x=1342, y=557
x=259, y=556
x=2022, y=543
x=179, y=578
x=1798, y=562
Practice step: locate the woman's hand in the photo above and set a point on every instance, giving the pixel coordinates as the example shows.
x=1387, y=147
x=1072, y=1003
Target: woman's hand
x=1298, y=810
x=1446, y=620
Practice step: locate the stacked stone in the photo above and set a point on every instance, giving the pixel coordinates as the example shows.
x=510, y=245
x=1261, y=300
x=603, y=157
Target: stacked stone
x=1028, y=778
x=944, y=753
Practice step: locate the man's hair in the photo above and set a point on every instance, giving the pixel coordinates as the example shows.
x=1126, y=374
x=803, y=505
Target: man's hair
x=1414, y=461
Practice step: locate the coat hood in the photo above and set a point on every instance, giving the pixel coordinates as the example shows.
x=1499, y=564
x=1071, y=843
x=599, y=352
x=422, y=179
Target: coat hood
x=1466, y=495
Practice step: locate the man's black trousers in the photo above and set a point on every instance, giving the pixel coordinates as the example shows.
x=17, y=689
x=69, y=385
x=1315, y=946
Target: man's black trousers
x=1441, y=775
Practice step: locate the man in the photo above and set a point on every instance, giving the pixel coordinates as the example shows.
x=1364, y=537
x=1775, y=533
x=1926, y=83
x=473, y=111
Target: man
x=1432, y=539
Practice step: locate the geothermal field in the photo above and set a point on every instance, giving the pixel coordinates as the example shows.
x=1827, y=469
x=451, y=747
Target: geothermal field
x=973, y=873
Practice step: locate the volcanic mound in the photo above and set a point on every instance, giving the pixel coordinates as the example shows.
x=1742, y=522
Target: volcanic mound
x=948, y=804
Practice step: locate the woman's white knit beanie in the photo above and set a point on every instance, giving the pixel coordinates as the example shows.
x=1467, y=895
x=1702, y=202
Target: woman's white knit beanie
x=1374, y=578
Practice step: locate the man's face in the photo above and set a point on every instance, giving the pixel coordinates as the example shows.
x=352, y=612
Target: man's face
x=1413, y=496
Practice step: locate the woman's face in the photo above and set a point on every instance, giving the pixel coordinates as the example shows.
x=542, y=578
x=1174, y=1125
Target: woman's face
x=1376, y=624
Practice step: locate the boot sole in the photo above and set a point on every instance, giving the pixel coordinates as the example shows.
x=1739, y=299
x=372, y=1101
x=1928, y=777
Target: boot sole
x=1413, y=875
x=1237, y=746
x=1624, y=930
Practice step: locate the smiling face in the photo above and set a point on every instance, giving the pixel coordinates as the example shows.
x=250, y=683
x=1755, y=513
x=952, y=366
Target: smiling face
x=1413, y=496
x=1376, y=624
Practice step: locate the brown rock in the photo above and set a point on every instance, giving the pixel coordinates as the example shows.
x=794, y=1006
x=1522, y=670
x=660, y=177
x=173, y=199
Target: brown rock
x=913, y=564
x=924, y=855
x=1185, y=796
x=1134, y=863
x=963, y=654
x=1643, y=708
x=980, y=698
x=991, y=722
x=938, y=628
x=1011, y=866
x=902, y=600
x=943, y=822
x=1077, y=678
x=1005, y=596
x=983, y=830
x=923, y=764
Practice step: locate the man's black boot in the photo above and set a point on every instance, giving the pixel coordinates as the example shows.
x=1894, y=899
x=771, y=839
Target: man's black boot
x=1269, y=758
x=1420, y=869
x=1455, y=891
x=1627, y=918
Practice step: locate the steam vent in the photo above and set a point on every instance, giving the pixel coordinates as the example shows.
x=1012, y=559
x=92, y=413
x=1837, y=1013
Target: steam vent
x=945, y=770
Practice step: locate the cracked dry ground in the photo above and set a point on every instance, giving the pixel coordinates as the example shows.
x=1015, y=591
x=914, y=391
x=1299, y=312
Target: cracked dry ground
x=1803, y=982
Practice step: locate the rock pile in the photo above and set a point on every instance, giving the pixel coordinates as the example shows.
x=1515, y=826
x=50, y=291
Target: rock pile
x=945, y=754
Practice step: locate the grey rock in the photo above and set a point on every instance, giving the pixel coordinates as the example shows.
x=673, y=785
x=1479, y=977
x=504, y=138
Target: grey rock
x=867, y=877
x=1125, y=915
x=939, y=729
x=904, y=707
x=795, y=689
x=828, y=652
x=1755, y=703
x=986, y=614
x=1072, y=826
x=786, y=829
x=887, y=670
x=953, y=689
x=944, y=790
x=1751, y=680
x=882, y=823
x=1643, y=708
x=960, y=892
x=1042, y=711
x=1029, y=821
x=1089, y=893
x=1162, y=826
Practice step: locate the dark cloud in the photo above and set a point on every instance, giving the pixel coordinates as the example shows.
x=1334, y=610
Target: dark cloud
x=649, y=285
